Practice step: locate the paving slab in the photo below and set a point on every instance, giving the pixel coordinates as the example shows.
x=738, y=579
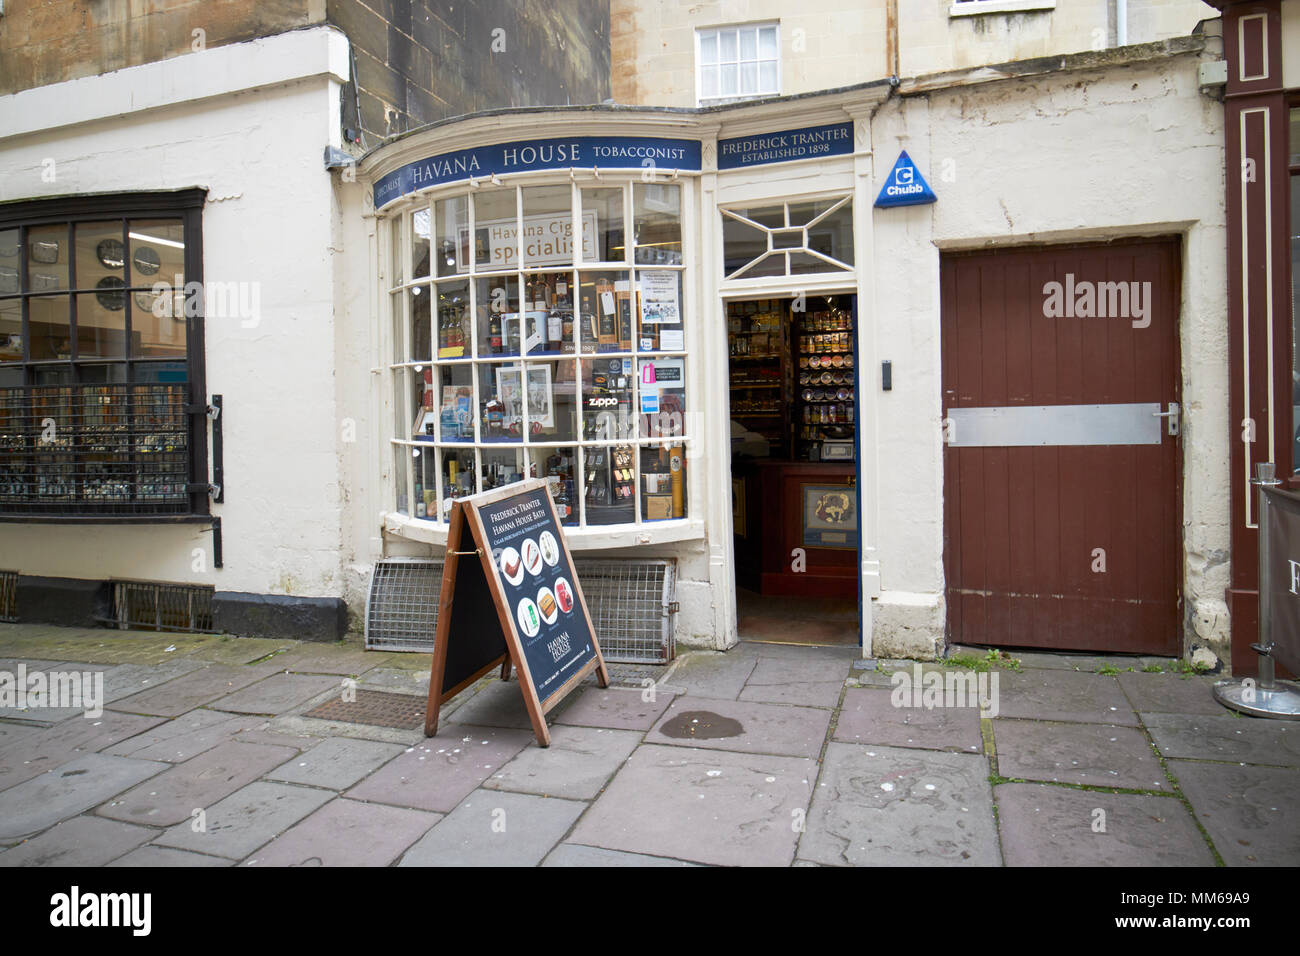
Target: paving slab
x=336, y=763
x=1170, y=693
x=81, y=841
x=99, y=645
x=229, y=649
x=1063, y=695
x=497, y=704
x=573, y=854
x=812, y=682
x=577, y=764
x=193, y=690
x=1242, y=739
x=1094, y=755
x=717, y=674
x=341, y=659
x=1249, y=812
x=885, y=806
x=161, y=856
x=441, y=771
x=247, y=819
x=198, y=783
x=870, y=717
x=187, y=736
x=705, y=806
x=742, y=726
x=399, y=680
x=496, y=829
x=268, y=732
x=38, y=708
x=618, y=708
x=124, y=680
x=31, y=755
x=1043, y=825
x=277, y=694
x=68, y=790
x=800, y=652
x=347, y=833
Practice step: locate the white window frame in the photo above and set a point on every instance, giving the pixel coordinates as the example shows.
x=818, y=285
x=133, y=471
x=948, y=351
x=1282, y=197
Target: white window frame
x=732, y=211
x=397, y=401
x=701, y=33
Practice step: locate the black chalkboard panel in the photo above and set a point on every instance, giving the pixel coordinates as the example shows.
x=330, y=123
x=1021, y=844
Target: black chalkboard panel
x=511, y=597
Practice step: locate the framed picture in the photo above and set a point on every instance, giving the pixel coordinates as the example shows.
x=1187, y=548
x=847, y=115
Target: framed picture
x=830, y=516
x=541, y=396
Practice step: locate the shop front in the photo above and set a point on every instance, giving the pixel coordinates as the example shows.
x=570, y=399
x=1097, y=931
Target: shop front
x=738, y=339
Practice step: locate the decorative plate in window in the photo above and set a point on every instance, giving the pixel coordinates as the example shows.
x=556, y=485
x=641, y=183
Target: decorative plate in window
x=109, y=294
x=45, y=251
x=111, y=253
x=146, y=261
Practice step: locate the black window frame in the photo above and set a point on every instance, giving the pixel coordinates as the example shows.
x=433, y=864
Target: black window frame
x=187, y=206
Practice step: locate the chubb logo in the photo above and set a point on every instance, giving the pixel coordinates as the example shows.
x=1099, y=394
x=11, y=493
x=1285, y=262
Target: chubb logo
x=904, y=183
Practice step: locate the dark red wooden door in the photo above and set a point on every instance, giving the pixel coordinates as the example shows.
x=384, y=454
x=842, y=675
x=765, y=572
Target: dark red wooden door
x=1062, y=504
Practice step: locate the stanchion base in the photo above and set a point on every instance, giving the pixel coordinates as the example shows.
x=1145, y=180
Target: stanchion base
x=1282, y=702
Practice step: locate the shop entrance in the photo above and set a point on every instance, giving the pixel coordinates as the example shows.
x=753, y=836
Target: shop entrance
x=794, y=471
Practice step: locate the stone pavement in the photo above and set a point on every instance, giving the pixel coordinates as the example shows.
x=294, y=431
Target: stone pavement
x=764, y=755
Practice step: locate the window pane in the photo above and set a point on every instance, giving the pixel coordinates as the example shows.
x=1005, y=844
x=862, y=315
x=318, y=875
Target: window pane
x=10, y=376
x=767, y=43
x=496, y=297
x=501, y=466
x=548, y=304
x=748, y=79
x=455, y=331
x=9, y=250
x=550, y=409
x=401, y=457
x=833, y=236
x=453, y=230
x=607, y=395
x=11, y=330
x=657, y=208
x=662, y=385
x=418, y=305
x=801, y=262
x=767, y=77
x=157, y=331
x=727, y=42
x=708, y=82
x=604, y=315
x=708, y=48
x=157, y=248
x=770, y=265
x=51, y=336
x=458, y=476
x=496, y=233
x=602, y=212
x=548, y=226
x=610, y=484
x=663, y=482
x=749, y=44
x=660, y=318
x=561, y=465
x=396, y=260
x=420, y=243
x=454, y=400
x=500, y=412
x=426, y=483
x=47, y=258
x=728, y=84
x=741, y=242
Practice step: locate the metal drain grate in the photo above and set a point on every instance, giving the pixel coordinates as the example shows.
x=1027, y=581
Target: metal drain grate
x=377, y=708
x=153, y=606
x=402, y=604
x=9, y=596
x=631, y=604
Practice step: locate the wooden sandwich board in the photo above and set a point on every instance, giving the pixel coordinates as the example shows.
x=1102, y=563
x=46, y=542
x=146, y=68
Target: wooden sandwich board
x=511, y=599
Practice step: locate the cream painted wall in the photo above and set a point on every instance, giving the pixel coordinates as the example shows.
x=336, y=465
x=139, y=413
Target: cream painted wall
x=827, y=44
x=270, y=219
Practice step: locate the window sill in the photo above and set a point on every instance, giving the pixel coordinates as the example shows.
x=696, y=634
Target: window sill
x=975, y=8
x=579, y=539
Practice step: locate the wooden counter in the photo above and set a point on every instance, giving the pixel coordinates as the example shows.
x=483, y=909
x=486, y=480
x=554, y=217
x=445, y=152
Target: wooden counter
x=789, y=505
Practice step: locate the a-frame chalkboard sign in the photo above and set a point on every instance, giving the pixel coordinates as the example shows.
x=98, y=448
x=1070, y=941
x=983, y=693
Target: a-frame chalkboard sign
x=511, y=598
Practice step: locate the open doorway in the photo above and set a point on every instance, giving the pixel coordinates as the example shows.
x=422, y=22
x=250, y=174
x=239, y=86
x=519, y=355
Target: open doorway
x=794, y=471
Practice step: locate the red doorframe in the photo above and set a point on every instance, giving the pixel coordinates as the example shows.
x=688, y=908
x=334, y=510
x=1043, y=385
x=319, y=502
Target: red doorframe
x=1256, y=130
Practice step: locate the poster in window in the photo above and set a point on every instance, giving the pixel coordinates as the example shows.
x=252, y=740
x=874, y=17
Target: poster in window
x=541, y=397
x=659, y=303
x=830, y=516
